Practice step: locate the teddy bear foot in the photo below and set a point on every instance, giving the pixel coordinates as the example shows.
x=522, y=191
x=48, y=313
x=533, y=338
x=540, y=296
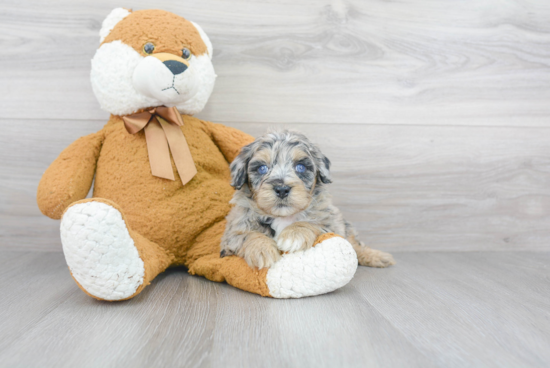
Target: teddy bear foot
x=328, y=266
x=100, y=252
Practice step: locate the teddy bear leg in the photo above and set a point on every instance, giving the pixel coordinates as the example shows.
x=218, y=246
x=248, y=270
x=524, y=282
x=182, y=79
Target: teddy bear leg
x=106, y=258
x=203, y=259
x=328, y=266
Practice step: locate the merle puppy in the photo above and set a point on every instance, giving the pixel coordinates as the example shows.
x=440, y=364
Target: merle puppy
x=282, y=203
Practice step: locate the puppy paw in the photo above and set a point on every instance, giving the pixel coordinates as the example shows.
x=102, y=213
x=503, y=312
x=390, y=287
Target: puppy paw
x=374, y=258
x=260, y=252
x=298, y=236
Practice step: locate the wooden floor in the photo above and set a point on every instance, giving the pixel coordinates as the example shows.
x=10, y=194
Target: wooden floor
x=434, y=309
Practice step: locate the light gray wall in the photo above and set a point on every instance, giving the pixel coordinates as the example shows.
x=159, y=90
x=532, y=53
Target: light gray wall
x=434, y=113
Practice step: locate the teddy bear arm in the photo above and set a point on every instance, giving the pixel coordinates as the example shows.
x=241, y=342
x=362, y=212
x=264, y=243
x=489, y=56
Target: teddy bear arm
x=69, y=177
x=229, y=140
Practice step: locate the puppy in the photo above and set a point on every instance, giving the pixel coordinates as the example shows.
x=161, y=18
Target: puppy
x=282, y=203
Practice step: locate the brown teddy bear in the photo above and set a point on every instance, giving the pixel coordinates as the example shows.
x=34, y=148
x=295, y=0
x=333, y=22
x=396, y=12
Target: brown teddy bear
x=161, y=177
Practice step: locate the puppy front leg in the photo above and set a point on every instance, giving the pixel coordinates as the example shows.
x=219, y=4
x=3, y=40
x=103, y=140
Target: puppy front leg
x=298, y=236
x=258, y=250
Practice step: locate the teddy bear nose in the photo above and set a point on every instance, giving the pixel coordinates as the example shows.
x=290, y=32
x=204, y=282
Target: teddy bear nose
x=175, y=66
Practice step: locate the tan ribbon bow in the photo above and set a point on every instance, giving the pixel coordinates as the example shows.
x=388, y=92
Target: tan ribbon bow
x=163, y=135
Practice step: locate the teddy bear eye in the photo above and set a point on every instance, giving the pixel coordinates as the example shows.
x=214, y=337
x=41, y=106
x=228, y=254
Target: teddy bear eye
x=148, y=48
x=262, y=170
x=300, y=168
x=185, y=53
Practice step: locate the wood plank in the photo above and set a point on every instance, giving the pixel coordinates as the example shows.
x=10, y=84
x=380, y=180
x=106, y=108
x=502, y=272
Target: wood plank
x=335, y=330
x=181, y=318
x=467, y=309
x=404, y=187
x=32, y=286
x=354, y=61
x=476, y=309
x=26, y=150
x=439, y=188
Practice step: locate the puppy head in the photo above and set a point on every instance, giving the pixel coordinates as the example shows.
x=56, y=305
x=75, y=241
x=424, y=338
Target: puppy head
x=281, y=171
x=151, y=58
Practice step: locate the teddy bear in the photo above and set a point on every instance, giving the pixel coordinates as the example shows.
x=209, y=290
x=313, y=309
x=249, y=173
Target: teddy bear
x=161, y=179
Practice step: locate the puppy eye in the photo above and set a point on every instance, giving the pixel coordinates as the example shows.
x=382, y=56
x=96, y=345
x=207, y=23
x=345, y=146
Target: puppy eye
x=300, y=168
x=185, y=53
x=148, y=48
x=262, y=170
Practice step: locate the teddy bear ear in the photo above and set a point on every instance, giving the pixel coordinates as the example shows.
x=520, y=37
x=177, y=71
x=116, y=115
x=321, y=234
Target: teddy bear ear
x=205, y=39
x=115, y=16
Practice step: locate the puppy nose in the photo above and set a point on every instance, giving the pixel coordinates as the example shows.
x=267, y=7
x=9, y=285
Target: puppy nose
x=282, y=190
x=175, y=66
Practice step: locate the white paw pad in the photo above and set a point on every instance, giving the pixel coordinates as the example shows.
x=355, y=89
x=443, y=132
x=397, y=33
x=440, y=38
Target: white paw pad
x=328, y=266
x=100, y=252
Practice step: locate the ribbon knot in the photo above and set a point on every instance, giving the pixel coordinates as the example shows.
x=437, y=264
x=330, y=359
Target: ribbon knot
x=163, y=135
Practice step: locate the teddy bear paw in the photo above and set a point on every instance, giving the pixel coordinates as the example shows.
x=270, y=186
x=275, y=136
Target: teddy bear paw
x=326, y=267
x=100, y=252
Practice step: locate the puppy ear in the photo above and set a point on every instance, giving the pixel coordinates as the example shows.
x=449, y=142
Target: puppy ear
x=239, y=167
x=115, y=16
x=321, y=161
x=324, y=169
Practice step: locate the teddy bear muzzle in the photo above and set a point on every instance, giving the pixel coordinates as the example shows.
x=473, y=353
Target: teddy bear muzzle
x=165, y=77
x=175, y=64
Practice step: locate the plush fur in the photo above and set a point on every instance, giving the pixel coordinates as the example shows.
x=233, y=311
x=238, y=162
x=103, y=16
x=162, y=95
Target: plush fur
x=136, y=225
x=265, y=221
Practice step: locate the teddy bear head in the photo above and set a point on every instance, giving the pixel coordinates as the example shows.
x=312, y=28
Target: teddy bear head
x=150, y=58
